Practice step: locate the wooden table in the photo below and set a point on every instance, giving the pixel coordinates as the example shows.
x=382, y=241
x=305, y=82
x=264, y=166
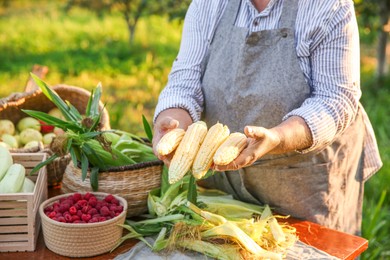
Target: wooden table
x=341, y=245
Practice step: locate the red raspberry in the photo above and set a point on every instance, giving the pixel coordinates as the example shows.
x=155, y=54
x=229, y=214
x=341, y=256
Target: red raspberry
x=77, y=196
x=82, y=203
x=68, y=218
x=93, y=220
x=101, y=219
x=119, y=208
x=86, y=217
x=115, y=201
x=85, y=209
x=73, y=210
x=87, y=196
x=109, y=198
x=78, y=221
x=79, y=213
x=61, y=219
x=75, y=217
x=92, y=212
x=104, y=211
x=49, y=209
x=52, y=214
x=92, y=202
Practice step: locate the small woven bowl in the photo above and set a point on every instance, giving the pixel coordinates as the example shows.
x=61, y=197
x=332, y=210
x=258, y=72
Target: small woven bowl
x=82, y=239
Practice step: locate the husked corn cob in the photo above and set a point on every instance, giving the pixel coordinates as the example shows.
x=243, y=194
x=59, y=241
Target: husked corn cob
x=186, y=151
x=169, y=142
x=216, y=135
x=230, y=149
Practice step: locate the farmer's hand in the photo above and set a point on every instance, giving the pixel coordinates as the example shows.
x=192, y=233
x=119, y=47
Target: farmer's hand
x=166, y=121
x=260, y=142
x=291, y=135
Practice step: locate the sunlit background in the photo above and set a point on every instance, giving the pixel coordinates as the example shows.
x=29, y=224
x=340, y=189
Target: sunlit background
x=129, y=46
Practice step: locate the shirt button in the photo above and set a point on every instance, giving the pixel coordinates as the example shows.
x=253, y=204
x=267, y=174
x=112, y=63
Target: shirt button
x=255, y=23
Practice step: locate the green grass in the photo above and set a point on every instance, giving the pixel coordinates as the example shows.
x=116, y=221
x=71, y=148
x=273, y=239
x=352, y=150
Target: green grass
x=82, y=50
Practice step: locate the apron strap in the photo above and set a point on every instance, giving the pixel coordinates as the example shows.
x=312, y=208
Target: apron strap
x=230, y=15
x=289, y=14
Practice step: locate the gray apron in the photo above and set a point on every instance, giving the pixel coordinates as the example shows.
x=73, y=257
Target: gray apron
x=255, y=79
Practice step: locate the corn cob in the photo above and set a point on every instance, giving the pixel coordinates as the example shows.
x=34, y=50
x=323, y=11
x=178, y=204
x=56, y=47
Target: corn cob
x=170, y=141
x=186, y=151
x=216, y=135
x=230, y=149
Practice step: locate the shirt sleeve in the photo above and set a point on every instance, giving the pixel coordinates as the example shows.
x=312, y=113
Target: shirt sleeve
x=183, y=89
x=335, y=74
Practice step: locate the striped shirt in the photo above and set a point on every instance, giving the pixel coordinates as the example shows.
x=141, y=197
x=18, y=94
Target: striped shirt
x=327, y=45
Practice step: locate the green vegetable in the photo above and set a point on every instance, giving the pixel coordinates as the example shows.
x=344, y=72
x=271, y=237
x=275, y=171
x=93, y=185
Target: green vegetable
x=89, y=147
x=13, y=180
x=28, y=186
x=5, y=161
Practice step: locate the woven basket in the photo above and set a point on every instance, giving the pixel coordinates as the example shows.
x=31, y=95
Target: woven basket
x=11, y=108
x=82, y=240
x=132, y=182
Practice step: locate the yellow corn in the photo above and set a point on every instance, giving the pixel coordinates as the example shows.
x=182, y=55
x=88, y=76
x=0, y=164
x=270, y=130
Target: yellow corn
x=216, y=135
x=186, y=151
x=169, y=142
x=230, y=149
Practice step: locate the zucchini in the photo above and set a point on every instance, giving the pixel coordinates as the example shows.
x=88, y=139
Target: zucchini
x=13, y=180
x=5, y=161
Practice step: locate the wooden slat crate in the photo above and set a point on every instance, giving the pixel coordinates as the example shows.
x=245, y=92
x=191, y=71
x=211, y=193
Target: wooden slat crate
x=19, y=218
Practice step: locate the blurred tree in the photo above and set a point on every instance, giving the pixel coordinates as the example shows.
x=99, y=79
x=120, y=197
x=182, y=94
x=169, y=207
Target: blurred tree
x=133, y=10
x=374, y=15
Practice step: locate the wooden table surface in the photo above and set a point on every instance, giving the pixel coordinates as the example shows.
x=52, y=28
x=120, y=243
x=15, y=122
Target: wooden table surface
x=335, y=243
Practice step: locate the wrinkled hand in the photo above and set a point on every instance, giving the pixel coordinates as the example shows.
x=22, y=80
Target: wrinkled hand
x=260, y=142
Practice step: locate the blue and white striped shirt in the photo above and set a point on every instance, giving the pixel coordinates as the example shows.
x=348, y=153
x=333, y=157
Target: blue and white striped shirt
x=327, y=45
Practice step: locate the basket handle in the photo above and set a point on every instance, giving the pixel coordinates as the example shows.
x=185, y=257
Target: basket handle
x=41, y=72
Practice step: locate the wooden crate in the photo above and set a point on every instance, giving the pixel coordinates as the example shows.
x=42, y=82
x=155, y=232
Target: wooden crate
x=19, y=217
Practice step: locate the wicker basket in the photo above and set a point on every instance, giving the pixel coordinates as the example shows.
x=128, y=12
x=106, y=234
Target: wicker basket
x=11, y=108
x=132, y=182
x=82, y=240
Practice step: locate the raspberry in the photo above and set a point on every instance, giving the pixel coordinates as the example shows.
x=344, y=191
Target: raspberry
x=73, y=210
x=49, y=209
x=92, y=212
x=75, y=217
x=79, y=213
x=85, y=209
x=101, y=219
x=86, y=217
x=61, y=219
x=93, y=220
x=82, y=203
x=113, y=208
x=87, y=196
x=52, y=214
x=104, y=211
x=92, y=202
x=109, y=198
x=115, y=201
x=77, y=196
x=68, y=218
x=119, y=208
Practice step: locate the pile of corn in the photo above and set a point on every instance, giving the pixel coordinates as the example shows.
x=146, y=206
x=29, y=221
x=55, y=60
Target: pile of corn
x=198, y=148
x=211, y=222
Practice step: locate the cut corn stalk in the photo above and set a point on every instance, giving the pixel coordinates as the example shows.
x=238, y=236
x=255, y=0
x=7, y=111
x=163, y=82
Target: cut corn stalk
x=230, y=149
x=185, y=153
x=222, y=252
x=216, y=135
x=229, y=229
x=170, y=141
